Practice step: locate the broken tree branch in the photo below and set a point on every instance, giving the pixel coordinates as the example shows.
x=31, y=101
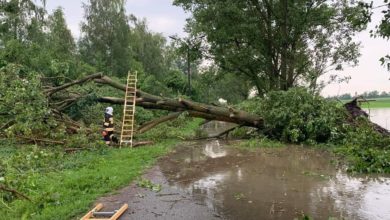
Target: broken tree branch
x=13, y=191
x=151, y=124
x=51, y=91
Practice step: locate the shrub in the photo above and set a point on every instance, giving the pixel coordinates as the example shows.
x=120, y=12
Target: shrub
x=297, y=116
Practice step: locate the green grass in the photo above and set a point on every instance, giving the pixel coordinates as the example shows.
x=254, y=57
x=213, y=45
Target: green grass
x=66, y=194
x=378, y=103
x=260, y=143
x=64, y=186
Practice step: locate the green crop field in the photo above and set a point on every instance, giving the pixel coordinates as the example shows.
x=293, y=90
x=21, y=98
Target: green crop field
x=378, y=103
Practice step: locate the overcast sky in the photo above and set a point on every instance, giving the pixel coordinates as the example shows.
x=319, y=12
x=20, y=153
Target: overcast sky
x=167, y=19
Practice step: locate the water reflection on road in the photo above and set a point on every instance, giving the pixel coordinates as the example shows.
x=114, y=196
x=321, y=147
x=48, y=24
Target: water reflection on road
x=274, y=183
x=214, y=180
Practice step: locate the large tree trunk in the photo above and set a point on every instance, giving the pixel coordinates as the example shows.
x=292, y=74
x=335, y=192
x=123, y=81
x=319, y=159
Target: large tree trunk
x=195, y=109
x=149, y=101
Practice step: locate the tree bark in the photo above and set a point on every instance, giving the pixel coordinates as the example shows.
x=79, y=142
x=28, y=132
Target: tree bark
x=195, y=109
x=51, y=91
x=151, y=124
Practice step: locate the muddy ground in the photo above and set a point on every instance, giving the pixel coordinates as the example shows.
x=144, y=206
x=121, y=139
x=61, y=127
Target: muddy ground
x=216, y=180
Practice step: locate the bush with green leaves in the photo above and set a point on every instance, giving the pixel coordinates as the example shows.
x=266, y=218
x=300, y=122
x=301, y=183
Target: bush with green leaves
x=297, y=116
x=23, y=105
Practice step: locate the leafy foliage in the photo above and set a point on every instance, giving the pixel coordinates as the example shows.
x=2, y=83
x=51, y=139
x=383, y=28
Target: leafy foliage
x=23, y=103
x=296, y=116
x=276, y=44
x=105, y=36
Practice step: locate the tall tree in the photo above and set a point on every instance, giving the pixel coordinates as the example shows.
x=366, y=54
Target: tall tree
x=62, y=44
x=22, y=36
x=277, y=44
x=105, y=36
x=148, y=48
x=383, y=28
x=17, y=16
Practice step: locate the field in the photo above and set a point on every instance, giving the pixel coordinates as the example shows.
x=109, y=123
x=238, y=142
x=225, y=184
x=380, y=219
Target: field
x=378, y=103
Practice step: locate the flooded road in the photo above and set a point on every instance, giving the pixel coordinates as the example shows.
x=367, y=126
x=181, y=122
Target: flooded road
x=215, y=180
x=381, y=116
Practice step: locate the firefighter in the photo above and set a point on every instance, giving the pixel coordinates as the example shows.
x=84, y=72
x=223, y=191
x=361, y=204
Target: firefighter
x=108, y=132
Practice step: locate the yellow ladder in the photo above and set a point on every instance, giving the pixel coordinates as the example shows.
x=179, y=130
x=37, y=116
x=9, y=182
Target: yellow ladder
x=129, y=110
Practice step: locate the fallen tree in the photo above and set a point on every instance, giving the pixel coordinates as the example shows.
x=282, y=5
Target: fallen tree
x=149, y=101
x=194, y=109
x=62, y=97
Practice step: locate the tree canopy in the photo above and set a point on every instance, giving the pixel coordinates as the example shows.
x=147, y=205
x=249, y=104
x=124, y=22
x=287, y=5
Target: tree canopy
x=277, y=44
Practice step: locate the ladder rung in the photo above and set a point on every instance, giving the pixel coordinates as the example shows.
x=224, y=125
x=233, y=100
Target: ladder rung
x=129, y=110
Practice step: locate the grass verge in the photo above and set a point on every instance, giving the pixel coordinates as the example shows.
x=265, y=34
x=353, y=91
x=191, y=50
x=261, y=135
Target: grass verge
x=66, y=194
x=64, y=186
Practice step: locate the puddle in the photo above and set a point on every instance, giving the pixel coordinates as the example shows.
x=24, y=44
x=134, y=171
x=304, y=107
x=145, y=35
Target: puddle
x=278, y=183
x=211, y=180
x=381, y=116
